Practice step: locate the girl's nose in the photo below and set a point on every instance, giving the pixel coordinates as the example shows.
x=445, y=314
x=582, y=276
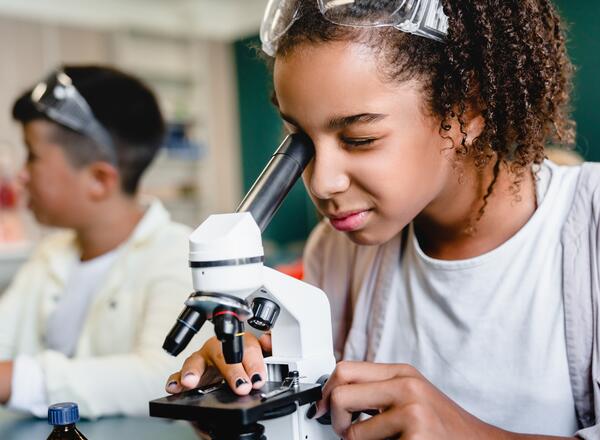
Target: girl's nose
x=327, y=174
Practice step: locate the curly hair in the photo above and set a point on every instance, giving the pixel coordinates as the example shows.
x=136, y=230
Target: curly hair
x=505, y=59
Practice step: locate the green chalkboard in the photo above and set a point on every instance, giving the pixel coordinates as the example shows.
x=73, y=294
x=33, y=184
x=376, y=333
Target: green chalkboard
x=583, y=20
x=261, y=132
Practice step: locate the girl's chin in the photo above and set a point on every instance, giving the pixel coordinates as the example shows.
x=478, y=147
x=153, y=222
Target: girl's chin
x=372, y=235
x=365, y=238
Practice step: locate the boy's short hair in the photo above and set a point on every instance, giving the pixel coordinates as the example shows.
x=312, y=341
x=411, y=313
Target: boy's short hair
x=123, y=105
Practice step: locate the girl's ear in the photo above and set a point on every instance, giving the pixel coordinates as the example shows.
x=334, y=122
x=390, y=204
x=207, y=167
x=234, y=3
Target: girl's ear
x=474, y=127
x=104, y=180
x=471, y=128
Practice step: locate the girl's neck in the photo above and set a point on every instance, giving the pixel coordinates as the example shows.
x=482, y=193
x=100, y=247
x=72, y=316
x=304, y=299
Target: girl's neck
x=112, y=227
x=448, y=228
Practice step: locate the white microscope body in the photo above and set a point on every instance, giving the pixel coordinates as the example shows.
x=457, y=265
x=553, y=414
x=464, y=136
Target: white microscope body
x=234, y=291
x=301, y=336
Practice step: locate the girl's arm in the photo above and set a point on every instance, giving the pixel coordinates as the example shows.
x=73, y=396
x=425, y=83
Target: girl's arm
x=408, y=405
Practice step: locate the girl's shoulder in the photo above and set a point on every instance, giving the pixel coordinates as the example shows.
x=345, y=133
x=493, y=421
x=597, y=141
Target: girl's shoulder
x=326, y=244
x=327, y=249
x=324, y=237
x=584, y=213
x=589, y=180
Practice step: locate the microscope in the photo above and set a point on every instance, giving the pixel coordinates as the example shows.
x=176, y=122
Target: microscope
x=235, y=292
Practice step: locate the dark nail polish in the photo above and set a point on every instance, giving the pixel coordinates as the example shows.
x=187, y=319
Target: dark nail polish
x=256, y=378
x=240, y=382
x=312, y=410
x=325, y=419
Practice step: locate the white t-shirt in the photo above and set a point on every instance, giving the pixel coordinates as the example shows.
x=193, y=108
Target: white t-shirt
x=489, y=331
x=65, y=323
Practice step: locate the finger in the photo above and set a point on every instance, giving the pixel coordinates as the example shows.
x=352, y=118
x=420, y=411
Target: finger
x=253, y=362
x=347, y=399
x=348, y=372
x=192, y=370
x=234, y=374
x=210, y=377
x=265, y=343
x=385, y=425
x=173, y=386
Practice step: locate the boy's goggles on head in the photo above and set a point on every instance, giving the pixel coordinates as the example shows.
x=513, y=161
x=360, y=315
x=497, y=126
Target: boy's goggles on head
x=421, y=17
x=58, y=99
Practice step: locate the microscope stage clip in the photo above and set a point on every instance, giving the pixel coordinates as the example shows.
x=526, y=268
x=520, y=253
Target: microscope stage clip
x=292, y=381
x=210, y=389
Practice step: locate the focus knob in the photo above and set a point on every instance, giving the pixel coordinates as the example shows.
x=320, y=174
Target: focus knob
x=265, y=313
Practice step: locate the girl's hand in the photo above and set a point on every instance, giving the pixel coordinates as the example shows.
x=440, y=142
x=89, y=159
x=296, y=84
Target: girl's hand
x=409, y=406
x=251, y=373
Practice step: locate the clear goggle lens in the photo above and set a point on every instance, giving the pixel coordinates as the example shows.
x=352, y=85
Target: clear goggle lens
x=279, y=17
x=367, y=13
x=422, y=17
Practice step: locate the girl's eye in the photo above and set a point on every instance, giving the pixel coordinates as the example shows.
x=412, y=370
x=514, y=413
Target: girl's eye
x=358, y=142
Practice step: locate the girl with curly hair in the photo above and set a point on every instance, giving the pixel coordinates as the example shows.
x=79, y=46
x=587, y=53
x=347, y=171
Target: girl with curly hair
x=461, y=265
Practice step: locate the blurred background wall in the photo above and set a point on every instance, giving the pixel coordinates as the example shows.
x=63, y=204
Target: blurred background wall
x=182, y=48
x=201, y=58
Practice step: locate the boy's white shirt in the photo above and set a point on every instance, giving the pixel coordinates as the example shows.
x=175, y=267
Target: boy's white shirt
x=118, y=364
x=523, y=385
x=62, y=331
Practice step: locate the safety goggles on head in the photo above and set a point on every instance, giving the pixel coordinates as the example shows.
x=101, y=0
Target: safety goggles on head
x=421, y=17
x=58, y=99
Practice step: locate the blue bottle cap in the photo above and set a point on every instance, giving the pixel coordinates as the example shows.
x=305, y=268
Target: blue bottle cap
x=65, y=413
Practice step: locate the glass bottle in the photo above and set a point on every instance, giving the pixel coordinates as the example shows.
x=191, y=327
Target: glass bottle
x=63, y=417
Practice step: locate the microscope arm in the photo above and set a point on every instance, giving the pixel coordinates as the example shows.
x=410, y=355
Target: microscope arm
x=302, y=338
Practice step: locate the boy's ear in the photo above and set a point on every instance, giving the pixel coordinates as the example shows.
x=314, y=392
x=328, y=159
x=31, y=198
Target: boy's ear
x=104, y=180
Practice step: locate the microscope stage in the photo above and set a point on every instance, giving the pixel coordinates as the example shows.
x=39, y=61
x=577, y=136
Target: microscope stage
x=221, y=405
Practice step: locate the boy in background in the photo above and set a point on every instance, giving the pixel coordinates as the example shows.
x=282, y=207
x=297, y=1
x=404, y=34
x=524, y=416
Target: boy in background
x=87, y=314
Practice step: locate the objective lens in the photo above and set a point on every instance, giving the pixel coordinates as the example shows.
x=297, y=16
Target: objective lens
x=230, y=331
x=188, y=324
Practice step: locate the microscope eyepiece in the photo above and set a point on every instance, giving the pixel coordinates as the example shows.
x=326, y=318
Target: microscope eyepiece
x=278, y=178
x=187, y=325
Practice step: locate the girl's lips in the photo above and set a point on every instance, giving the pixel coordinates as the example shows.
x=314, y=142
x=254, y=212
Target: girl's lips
x=350, y=222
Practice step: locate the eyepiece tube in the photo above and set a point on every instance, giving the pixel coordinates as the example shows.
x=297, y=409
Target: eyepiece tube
x=187, y=325
x=278, y=177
